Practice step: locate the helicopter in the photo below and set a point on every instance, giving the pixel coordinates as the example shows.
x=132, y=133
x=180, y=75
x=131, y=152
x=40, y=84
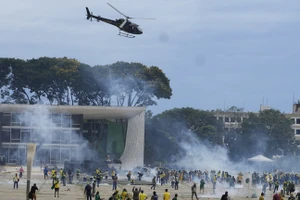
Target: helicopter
x=126, y=27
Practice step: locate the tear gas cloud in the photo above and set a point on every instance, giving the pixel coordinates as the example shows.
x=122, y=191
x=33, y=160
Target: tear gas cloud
x=202, y=155
x=44, y=133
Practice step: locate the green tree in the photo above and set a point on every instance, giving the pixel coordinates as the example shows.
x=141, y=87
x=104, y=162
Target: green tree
x=133, y=84
x=170, y=128
x=265, y=133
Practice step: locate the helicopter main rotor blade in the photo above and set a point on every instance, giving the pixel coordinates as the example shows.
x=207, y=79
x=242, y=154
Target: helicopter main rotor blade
x=118, y=10
x=144, y=18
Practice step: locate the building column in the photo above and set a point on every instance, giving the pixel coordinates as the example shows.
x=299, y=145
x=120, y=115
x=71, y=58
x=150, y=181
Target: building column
x=133, y=154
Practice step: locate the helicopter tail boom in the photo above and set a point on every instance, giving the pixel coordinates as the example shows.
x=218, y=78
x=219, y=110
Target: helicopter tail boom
x=88, y=14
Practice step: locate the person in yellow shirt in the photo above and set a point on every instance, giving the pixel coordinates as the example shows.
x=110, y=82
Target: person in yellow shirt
x=56, y=187
x=142, y=195
x=124, y=194
x=262, y=196
x=167, y=195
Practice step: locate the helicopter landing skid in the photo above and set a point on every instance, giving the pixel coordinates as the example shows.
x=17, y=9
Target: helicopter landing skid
x=124, y=34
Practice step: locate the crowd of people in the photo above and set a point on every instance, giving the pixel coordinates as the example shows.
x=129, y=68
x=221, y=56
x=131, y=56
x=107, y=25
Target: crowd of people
x=279, y=184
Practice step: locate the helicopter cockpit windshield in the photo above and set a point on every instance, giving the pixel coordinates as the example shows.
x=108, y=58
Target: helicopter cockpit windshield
x=139, y=28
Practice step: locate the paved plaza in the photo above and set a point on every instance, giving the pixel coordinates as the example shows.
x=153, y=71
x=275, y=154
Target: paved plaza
x=75, y=191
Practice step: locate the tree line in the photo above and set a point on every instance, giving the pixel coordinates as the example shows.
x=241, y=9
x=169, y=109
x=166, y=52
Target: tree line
x=64, y=81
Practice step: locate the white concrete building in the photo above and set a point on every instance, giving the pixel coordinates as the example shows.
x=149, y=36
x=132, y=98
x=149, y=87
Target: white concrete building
x=64, y=132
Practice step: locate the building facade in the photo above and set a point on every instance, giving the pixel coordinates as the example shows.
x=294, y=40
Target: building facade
x=72, y=133
x=234, y=120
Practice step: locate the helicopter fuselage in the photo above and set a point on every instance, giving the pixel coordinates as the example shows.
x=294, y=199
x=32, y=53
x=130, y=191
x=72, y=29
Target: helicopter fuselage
x=122, y=24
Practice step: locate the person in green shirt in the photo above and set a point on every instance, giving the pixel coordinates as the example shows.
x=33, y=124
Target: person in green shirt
x=175, y=197
x=97, y=196
x=202, y=183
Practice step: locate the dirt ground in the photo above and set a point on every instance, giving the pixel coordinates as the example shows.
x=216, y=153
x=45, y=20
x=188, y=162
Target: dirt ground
x=75, y=191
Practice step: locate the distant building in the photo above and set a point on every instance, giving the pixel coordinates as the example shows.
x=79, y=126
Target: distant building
x=295, y=118
x=234, y=120
x=60, y=133
x=231, y=120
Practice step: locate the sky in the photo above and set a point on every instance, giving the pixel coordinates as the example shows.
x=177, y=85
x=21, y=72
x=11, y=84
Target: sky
x=216, y=53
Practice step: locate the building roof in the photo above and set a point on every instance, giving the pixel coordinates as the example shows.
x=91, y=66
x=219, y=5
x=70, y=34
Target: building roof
x=89, y=112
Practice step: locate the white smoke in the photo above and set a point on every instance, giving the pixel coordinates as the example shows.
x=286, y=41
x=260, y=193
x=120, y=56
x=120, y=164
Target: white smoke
x=200, y=156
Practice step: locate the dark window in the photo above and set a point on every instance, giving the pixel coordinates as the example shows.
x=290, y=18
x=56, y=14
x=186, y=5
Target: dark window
x=298, y=121
x=76, y=121
x=15, y=135
x=226, y=119
x=232, y=119
x=298, y=131
x=6, y=119
x=6, y=135
x=238, y=119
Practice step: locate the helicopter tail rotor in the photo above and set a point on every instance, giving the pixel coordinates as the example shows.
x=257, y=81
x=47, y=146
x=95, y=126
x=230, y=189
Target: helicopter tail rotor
x=88, y=14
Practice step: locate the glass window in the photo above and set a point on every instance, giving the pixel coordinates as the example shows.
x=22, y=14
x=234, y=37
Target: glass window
x=298, y=131
x=13, y=155
x=56, y=136
x=35, y=135
x=226, y=119
x=65, y=155
x=25, y=135
x=16, y=119
x=75, y=136
x=5, y=135
x=26, y=120
x=54, y=155
x=66, y=121
x=298, y=121
x=6, y=120
x=65, y=137
x=76, y=121
x=56, y=120
x=15, y=135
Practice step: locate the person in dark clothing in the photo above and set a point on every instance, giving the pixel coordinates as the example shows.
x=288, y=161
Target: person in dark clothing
x=194, y=191
x=115, y=182
x=94, y=188
x=153, y=183
x=225, y=196
x=32, y=194
x=154, y=196
x=175, y=197
x=176, y=183
x=136, y=193
x=88, y=191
